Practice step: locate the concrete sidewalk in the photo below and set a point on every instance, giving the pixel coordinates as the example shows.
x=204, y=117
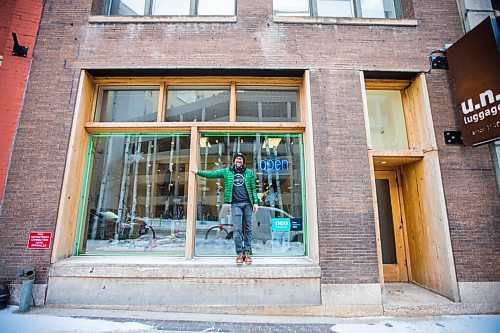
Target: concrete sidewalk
x=65, y=320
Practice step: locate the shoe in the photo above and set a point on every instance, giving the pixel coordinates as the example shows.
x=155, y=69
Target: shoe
x=247, y=258
x=239, y=259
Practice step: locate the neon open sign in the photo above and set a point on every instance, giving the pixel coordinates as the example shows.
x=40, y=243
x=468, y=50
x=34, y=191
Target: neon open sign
x=273, y=165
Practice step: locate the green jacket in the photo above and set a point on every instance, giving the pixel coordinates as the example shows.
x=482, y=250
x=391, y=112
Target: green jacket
x=228, y=176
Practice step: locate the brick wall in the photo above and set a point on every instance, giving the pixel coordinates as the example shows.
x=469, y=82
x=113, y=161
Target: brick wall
x=333, y=53
x=21, y=17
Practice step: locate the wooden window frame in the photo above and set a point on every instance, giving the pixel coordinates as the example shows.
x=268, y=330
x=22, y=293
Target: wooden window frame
x=83, y=127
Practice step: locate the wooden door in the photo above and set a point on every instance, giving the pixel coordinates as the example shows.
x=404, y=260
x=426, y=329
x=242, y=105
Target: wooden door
x=391, y=227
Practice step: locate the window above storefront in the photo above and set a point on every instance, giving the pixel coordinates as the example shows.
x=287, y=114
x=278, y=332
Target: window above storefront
x=168, y=7
x=398, y=12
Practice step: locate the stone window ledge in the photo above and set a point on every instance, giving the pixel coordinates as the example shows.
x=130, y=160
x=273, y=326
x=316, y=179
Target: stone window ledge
x=161, y=19
x=178, y=267
x=344, y=21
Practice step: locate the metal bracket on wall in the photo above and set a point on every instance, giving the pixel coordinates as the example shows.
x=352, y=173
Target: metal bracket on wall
x=453, y=138
x=438, y=62
x=18, y=50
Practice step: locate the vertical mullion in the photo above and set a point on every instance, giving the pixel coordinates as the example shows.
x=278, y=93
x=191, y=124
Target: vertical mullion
x=191, y=203
x=193, y=8
x=148, y=7
x=160, y=115
x=313, y=8
x=356, y=8
x=232, y=103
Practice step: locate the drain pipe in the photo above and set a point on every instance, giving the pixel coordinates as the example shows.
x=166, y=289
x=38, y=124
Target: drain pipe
x=28, y=277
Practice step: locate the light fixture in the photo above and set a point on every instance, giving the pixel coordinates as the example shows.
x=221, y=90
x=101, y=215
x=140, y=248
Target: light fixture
x=271, y=143
x=204, y=143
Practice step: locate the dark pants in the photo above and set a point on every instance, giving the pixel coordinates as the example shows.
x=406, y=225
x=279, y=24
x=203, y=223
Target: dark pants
x=241, y=215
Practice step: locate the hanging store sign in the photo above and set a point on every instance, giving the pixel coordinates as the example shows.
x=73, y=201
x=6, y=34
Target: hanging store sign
x=39, y=240
x=474, y=62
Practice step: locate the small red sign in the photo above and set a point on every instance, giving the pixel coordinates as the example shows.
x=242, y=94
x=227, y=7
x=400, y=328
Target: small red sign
x=39, y=240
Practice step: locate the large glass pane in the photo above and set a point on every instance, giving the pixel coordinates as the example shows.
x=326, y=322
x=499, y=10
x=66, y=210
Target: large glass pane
x=216, y=7
x=171, y=7
x=197, y=104
x=137, y=194
x=277, y=161
x=291, y=7
x=132, y=104
x=266, y=104
x=378, y=8
x=128, y=7
x=335, y=8
x=387, y=121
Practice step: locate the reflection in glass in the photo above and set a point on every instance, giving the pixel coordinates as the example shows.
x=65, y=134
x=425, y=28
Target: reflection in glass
x=277, y=163
x=202, y=104
x=132, y=104
x=335, y=8
x=387, y=121
x=291, y=7
x=216, y=7
x=128, y=7
x=137, y=194
x=171, y=7
x=266, y=105
x=379, y=8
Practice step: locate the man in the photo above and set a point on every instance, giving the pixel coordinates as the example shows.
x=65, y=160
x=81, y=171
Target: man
x=241, y=192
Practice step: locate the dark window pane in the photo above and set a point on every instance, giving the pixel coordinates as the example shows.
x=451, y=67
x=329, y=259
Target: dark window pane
x=197, y=104
x=386, y=221
x=137, y=194
x=276, y=161
x=128, y=7
x=129, y=105
x=266, y=105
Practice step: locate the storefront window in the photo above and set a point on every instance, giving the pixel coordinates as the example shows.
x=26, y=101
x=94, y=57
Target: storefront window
x=266, y=104
x=137, y=194
x=127, y=104
x=387, y=120
x=277, y=161
x=197, y=104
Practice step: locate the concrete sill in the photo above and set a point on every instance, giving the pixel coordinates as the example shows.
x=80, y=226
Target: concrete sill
x=344, y=21
x=169, y=267
x=161, y=19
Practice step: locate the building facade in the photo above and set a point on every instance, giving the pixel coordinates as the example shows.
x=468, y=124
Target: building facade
x=338, y=114
x=22, y=19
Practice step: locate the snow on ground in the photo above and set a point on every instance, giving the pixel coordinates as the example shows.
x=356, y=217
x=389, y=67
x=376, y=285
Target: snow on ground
x=12, y=322
x=444, y=324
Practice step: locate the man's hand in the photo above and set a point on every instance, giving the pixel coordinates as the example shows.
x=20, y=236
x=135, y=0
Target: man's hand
x=194, y=171
x=255, y=208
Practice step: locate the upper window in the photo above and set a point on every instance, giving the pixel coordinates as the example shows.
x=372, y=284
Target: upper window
x=387, y=120
x=198, y=104
x=391, y=9
x=169, y=7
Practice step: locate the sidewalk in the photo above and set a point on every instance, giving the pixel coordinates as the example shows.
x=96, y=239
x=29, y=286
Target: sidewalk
x=63, y=320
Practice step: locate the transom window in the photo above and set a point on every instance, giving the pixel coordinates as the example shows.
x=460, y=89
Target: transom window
x=169, y=7
x=339, y=8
